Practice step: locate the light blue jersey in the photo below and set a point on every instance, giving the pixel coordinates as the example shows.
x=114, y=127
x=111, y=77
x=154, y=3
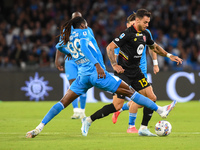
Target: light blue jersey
x=86, y=53
x=71, y=68
x=143, y=60
x=71, y=71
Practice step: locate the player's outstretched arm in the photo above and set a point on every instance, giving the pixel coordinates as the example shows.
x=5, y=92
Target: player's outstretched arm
x=159, y=50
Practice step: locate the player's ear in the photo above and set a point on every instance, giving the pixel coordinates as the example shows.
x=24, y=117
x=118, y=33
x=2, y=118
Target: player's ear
x=137, y=20
x=127, y=25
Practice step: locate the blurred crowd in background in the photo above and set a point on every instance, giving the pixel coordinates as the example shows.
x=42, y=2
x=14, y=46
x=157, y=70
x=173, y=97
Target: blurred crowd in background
x=29, y=29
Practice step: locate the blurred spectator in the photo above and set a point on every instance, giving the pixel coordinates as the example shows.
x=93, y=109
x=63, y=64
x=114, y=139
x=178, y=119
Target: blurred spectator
x=28, y=29
x=44, y=59
x=18, y=57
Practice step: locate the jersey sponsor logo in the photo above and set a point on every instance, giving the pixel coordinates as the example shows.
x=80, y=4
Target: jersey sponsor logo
x=122, y=35
x=140, y=49
x=117, y=39
x=139, y=34
x=144, y=38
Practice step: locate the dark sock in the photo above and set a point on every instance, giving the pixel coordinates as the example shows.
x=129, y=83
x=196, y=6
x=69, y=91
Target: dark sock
x=103, y=112
x=147, y=114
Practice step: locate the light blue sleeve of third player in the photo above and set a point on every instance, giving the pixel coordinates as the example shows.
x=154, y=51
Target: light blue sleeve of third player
x=143, y=61
x=116, y=51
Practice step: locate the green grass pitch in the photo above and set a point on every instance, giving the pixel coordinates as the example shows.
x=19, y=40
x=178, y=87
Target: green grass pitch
x=62, y=133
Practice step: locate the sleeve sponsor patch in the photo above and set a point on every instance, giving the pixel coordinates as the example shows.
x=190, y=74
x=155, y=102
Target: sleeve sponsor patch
x=122, y=35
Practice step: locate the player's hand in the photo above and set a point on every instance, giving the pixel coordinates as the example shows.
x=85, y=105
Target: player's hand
x=100, y=71
x=59, y=66
x=176, y=59
x=118, y=68
x=156, y=69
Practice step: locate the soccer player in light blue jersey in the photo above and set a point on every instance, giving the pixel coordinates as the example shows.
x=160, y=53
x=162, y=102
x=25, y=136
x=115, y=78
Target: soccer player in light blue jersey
x=147, y=114
x=71, y=71
x=91, y=72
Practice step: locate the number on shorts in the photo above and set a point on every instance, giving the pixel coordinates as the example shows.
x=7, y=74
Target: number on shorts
x=143, y=82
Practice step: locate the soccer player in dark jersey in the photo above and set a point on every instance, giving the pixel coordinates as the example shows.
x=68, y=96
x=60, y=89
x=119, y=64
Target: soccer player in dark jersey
x=131, y=43
x=131, y=106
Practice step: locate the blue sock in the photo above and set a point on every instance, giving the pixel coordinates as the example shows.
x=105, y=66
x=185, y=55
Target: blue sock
x=125, y=106
x=53, y=112
x=83, y=101
x=132, y=118
x=75, y=103
x=144, y=101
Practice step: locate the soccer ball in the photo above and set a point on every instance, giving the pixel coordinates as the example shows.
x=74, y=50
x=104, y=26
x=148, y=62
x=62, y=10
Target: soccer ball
x=163, y=128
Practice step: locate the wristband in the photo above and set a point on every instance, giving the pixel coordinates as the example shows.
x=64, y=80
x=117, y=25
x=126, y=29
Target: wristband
x=155, y=62
x=168, y=55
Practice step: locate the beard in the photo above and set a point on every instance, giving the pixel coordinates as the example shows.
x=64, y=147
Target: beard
x=140, y=28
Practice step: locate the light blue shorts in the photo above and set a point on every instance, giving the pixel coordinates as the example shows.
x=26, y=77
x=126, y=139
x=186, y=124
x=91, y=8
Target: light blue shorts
x=71, y=69
x=83, y=83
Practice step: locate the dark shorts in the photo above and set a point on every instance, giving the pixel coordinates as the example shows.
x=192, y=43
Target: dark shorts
x=138, y=82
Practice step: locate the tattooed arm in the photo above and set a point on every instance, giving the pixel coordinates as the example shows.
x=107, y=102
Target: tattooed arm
x=111, y=55
x=159, y=50
x=110, y=52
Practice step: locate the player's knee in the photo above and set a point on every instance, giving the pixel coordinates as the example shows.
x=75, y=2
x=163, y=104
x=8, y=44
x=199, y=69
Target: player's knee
x=118, y=106
x=154, y=98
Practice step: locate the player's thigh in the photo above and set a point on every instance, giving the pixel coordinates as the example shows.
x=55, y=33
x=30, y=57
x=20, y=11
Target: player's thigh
x=118, y=102
x=110, y=83
x=81, y=85
x=125, y=90
x=71, y=69
x=139, y=82
x=148, y=92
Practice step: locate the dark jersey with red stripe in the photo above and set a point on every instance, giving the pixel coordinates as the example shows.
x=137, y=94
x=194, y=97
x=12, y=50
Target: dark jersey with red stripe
x=131, y=45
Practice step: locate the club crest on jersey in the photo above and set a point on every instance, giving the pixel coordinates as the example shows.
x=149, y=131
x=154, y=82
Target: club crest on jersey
x=122, y=35
x=84, y=33
x=144, y=38
x=140, y=49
